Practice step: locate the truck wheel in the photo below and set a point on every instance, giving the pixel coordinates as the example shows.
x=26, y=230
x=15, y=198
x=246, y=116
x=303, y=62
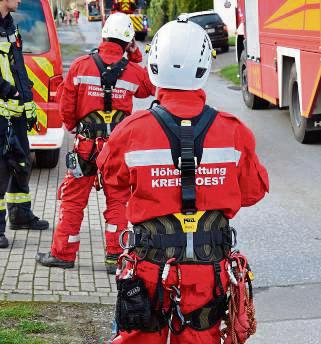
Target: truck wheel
x=252, y=101
x=298, y=122
x=47, y=158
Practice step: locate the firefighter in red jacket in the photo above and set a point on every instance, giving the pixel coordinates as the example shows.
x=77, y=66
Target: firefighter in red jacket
x=189, y=169
x=97, y=94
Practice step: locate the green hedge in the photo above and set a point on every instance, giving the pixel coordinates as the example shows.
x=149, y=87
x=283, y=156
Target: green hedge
x=162, y=11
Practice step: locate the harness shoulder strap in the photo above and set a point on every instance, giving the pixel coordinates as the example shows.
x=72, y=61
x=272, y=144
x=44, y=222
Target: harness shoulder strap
x=186, y=145
x=99, y=62
x=172, y=130
x=109, y=75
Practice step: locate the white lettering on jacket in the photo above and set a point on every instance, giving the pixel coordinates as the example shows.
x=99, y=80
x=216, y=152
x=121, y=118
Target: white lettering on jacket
x=205, y=176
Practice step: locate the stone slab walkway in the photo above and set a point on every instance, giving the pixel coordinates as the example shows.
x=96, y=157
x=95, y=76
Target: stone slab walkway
x=21, y=279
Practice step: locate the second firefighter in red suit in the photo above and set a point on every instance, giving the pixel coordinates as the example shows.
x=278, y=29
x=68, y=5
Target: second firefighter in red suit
x=82, y=106
x=176, y=276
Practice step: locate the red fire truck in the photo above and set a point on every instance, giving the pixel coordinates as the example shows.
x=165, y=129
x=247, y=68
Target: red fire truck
x=279, y=54
x=133, y=9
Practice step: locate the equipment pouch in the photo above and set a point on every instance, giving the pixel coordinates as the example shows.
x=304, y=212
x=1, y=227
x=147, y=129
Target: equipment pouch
x=133, y=307
x=73, y=165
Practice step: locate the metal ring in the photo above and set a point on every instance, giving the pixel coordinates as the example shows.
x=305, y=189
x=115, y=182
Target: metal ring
x=121, y=239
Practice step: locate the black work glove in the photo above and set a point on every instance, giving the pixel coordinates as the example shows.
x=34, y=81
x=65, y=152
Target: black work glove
x=13, y=93
x=133, y=307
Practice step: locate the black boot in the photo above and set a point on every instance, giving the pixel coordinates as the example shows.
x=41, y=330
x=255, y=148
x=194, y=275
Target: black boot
x=34, y=224
x=111, y=261
x=21, y=217
x=46, y=259
x=4, y=243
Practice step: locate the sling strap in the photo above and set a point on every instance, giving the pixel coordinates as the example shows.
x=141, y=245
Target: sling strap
x=109, y=74
x=186, y=143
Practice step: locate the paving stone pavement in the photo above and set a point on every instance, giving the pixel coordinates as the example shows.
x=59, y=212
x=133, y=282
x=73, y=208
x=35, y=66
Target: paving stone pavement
x=21, y=279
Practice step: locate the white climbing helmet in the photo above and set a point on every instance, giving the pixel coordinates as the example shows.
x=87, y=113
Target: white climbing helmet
x=180, y=56
x=120, y=26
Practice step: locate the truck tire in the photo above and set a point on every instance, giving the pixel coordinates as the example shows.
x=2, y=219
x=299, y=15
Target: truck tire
x=47, y=158
x=252, y=101
x=298, y=122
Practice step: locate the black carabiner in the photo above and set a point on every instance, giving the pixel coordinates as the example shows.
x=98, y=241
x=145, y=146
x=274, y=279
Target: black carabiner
x=175, y=297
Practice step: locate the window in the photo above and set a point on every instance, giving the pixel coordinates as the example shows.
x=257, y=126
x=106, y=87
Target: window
x=32, y=26
x=208, y=19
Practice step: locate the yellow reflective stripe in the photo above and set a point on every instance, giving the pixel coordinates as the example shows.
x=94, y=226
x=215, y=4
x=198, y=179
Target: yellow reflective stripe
x=4, y=111
x=45, y=65
x=5, y=47
x=18, y=197
x=11, y=108
x=14, y=108
x=5, y=69
x=41, y=115
x=2, y=204
x=137, y=22
x=38, y=85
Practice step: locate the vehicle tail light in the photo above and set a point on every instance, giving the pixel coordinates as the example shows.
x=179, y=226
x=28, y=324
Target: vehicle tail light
x=54, y=82
x=225, y=28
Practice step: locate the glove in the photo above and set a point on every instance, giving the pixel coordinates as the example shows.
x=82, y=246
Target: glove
x=31, y=115
x=133, y=307
x=13, y=93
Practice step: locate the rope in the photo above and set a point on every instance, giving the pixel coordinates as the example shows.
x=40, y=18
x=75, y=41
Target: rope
x=240, y=321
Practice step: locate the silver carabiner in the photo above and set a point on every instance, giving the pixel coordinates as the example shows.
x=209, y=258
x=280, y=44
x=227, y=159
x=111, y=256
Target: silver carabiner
x=121, y=239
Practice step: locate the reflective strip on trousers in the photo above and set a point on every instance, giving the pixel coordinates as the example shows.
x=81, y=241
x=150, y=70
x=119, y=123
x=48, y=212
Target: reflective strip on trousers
x=2, y=204
x=18, y=198
x=163, y=157
x=111, y=228
x=73, y=239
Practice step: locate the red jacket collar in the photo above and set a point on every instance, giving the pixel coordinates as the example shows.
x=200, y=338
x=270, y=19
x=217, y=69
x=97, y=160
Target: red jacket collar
x=110, y=52
x=183, y=104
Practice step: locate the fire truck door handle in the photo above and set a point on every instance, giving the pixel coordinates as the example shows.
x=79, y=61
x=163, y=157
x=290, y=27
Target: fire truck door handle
x=276, y=64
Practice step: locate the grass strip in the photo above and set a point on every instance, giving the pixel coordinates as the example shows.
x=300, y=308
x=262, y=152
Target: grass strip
x=231, y=73
x=17, y=311
x=231, y=41
x=10, y=336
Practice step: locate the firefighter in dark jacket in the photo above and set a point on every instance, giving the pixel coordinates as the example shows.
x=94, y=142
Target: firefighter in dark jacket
x=17, y=116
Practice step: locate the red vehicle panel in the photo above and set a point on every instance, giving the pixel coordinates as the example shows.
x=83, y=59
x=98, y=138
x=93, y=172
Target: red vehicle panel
x=44, y=66
x=282, y=43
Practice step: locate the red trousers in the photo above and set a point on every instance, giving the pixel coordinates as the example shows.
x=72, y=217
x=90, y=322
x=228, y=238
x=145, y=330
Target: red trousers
x=197, y=290
x=74, y=194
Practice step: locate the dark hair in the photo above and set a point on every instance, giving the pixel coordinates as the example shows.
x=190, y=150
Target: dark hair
x=123, y=44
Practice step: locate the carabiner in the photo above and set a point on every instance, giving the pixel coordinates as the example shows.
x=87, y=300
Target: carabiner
x=167, y=267
x=177, y=297
x=121, y=239
x=176, y=310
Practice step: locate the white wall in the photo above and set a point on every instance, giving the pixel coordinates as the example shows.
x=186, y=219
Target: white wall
x=227, y=14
